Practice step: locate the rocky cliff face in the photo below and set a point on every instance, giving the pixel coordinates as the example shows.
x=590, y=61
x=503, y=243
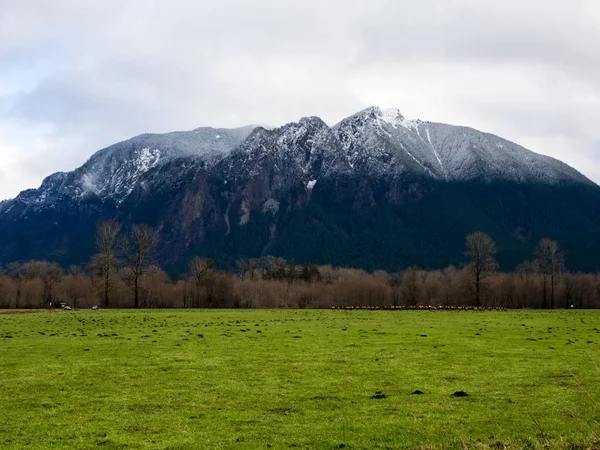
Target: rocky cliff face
x=375, y=191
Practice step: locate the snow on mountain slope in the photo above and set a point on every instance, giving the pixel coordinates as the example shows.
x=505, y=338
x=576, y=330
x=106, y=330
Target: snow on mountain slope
x=468, y=154
x=372, y=143
x=383, y=142
x=296, y=152
x=113, y=173
x=47, y=193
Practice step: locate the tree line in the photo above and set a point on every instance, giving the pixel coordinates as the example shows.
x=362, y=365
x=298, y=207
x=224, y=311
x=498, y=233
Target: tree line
x=122, y=274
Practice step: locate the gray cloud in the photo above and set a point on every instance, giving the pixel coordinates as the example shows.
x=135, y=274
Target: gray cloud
x=78, y=76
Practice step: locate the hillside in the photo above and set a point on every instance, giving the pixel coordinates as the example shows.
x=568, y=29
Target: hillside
x=374, y=191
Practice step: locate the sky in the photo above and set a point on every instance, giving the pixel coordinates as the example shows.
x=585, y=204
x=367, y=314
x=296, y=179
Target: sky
x=76, y=77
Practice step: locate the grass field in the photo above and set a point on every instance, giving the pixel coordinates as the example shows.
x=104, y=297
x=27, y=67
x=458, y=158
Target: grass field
x=299, y=379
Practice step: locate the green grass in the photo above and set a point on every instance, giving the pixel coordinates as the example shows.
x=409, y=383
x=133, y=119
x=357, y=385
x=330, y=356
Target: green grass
x=283, y=379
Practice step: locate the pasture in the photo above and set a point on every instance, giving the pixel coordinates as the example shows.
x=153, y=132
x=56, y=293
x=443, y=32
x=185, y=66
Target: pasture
x=186, y=379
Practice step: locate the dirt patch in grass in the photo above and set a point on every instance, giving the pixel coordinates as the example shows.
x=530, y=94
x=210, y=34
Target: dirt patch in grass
x=379, y=396
x=460, y=394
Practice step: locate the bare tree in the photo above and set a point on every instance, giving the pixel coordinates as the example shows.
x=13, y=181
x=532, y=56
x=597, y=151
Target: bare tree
x=253, y=267
x=410, y=286
x=449, y=276
x=549, y=262
x=291, y=273
x=280, y=272
x=106, y=259
x=4, y=298
x=525, y=269
x=199, y=269
x=507, y=290
x=271, y=265
x=49, y=273
x=137, y=251
x=525, y=272
x=16, y=274
x=569, y=286
x=481, y=249
x=243, y=266
x=74, y=287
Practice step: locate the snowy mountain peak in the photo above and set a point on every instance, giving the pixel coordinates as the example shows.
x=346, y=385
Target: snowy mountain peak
x=383, y=142
x=373, y=186
x=312, y=121
x=392, y=116
x=382, y=116
x=375, y=142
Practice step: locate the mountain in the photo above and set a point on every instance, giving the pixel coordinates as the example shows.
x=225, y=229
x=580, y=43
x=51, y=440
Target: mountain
x=374, y=191
x=384, y=142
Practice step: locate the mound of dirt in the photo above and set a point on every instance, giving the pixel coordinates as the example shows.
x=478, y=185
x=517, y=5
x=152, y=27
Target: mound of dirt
x=460, y=394
x=379, y=396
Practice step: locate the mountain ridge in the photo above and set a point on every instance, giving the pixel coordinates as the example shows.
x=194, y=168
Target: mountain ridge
x=215, y=190
x=214, y=143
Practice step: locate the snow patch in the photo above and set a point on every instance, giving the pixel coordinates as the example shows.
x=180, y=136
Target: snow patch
x=311, y=184
x=147, y=159
x=436, y=153
x=393, y=117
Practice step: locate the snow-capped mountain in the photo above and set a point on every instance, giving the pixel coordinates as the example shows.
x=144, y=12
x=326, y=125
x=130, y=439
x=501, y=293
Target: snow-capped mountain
x=205, y=189
x=384, y=142
x=114, y=172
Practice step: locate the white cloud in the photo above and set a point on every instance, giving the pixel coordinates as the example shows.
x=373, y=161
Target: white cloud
x=78, y=76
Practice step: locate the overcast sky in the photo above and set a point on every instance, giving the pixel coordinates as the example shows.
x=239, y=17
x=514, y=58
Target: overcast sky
x=76, y=76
